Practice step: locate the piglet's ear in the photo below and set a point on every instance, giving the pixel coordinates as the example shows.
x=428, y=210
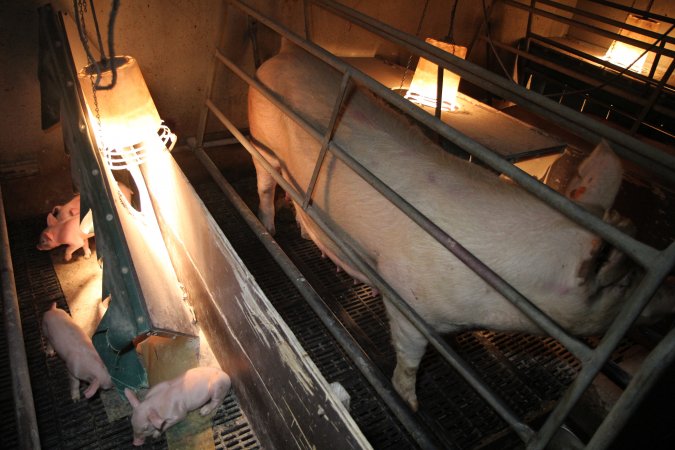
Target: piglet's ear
x=155, y=419
x=51, y=220
x=133, y=400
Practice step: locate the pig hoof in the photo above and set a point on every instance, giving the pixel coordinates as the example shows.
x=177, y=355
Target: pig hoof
x=404, y=383
x=75, y=396
x=87, y=255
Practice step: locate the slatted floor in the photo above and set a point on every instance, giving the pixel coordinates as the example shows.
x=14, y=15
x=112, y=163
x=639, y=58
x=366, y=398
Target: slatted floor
x=64, y=424
x=530, y=371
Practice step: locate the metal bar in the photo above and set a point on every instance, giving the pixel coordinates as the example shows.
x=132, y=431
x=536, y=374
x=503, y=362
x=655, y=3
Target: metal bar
x=653, y=97
x=606, y=20
x=636, y=11
x=374, y=376
x=590, y=130
x=464, y=369
x=204, y=115
x=344, y=86
x=24, y=405
x=533, y=5
x=599, y=61
x=575, y=346
x=253, y=36
x=642, y=253
x=596, y=30
x=645, y=290
x=595, y=84
x=632, y=308
x=306, y=16
x=650, y=371
x=439, y=91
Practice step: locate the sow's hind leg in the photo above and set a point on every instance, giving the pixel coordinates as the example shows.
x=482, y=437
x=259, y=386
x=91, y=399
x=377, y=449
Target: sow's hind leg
x=410, y=346
x=266, y=189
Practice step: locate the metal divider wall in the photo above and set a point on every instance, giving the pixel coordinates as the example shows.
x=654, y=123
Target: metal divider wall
x=657, y=264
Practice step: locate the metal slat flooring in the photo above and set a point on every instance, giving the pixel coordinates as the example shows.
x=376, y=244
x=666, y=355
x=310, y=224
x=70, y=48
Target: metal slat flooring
x=531, y=372
x=64, y=424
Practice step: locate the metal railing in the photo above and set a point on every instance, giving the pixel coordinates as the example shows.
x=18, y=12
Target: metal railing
x=656, y=263
x=594, y=24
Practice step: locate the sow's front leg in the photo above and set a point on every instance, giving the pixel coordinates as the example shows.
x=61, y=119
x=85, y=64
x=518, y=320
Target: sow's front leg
x=266, y=190
x=410, y=346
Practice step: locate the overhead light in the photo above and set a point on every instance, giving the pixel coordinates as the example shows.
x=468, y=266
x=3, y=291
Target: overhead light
x=423, y=88
x=625, y=55
x=128, y=126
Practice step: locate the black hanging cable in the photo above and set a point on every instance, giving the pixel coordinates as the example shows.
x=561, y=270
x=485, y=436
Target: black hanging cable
x=98, y=31
x=419, y=28
x=80, y=7
x=450, y=37
x=111, y=47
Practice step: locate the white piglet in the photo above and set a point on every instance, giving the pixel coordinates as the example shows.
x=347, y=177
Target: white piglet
x=68, y=341
x=168, y=402
x=553, y=261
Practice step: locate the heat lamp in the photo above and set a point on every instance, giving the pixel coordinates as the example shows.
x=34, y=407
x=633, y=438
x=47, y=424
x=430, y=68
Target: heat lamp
x=128, y=128
x=423, y=88
x=626, y=55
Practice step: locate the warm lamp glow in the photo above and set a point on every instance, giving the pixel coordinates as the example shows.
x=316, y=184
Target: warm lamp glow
x=623, y=54
x=423, y=87
x=127, y=124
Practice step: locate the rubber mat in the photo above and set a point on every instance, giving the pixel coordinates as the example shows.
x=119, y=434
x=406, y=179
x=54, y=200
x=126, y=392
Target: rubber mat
x=62, y=423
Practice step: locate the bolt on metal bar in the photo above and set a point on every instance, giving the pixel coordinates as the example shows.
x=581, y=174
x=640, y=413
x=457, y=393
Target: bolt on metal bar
x=658, y=360
x=463, y=368
x=589, y=130
x=578, y=348
x=645, y=290
x=344, y=87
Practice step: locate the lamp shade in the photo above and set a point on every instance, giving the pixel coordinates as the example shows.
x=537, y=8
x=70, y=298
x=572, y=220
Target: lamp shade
x=126, y=112
x=423, y=87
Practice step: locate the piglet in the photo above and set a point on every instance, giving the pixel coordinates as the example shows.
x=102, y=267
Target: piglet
x=67, y=211
x=66, y=339
x=168, y=402
x=66, y=233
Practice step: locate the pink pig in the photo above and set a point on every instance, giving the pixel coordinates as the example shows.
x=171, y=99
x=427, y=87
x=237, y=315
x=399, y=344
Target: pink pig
x=67, y=339
x=168, y=402
x=70, y=209
x=68, y=233
x=562, y=267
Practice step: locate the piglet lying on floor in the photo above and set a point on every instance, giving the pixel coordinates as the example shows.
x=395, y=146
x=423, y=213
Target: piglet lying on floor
x=68, y=340
x=168, y=402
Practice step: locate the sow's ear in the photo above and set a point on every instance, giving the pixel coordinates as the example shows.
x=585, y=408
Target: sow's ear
x=597, y=180
x=133, y=400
